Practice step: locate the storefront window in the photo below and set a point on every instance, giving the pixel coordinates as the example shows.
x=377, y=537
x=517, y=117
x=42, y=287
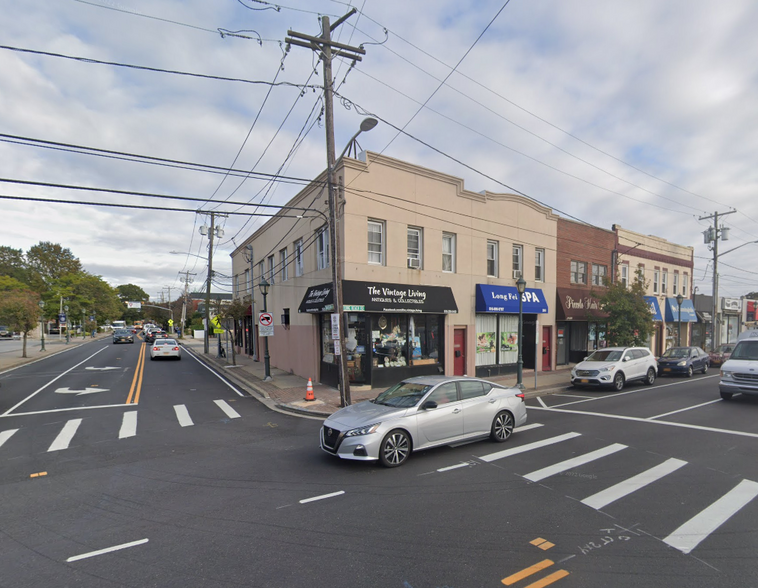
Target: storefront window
x=327, y=344
x=508, y=333
x=401, y=340
x=496, y=339
x=423, y=333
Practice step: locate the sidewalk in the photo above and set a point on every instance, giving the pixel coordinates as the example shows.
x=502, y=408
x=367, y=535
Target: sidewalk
x=287, y=391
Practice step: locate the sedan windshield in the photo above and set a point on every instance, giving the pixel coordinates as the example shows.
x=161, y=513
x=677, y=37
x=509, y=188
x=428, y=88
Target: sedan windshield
x=745, y=350
x=402, y=395
x=677, y=352
x=605, y=355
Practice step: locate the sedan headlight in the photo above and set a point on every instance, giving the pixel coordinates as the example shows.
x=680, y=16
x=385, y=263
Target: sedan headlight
x=367, y=430
x=608, y=368
x=682, y=363
x=726, y=374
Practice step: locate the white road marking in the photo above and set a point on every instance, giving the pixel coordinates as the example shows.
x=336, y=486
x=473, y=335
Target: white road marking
x=64, y=437
x=577, y=461
x=58, y=377
x=605, y=497
x=183, y=415
x=542, y=402
x=641, y=420
x=128, y=425
x=65, y=410
x=658, y=416
x=454, y=467
x=691, y=533
x=527, y=427
x=228, y=410
x=528, y=447
x=192, y=355
x=102, y=369
x=80, y=392
x=106, y=550
x=322, y=497
x=573, y=396
x=5, y=435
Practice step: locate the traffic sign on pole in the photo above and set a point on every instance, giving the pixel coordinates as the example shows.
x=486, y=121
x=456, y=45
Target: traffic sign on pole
x=265, y=324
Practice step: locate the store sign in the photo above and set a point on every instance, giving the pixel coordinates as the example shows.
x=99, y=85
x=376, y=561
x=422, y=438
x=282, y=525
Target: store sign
x=491, y=298
x=751, y=308
x=381, y=297
x=688, y=311
x=655, y=310
x=574, y=303
x=318, y=299
x=335, y=326
x=734, y=304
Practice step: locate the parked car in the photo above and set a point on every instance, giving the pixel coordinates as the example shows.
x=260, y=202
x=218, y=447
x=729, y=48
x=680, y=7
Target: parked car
x=122, y=336
x=739, y=374
x=5, y=332
x=165, y=349
x=721, y=354
x=614, y=367
x=420, y=413
x=683, y=360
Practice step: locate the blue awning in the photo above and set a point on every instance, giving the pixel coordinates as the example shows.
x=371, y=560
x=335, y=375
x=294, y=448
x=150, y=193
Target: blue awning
x=655, y=310
x=491, y=298
x=672, y=311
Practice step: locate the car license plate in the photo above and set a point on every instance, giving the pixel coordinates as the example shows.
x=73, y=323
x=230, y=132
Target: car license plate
x=584, y=381
x=666, y=369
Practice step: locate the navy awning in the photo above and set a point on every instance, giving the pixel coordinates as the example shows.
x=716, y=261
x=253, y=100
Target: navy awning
x=655, y=310
x=688, y=311
x=491, y=298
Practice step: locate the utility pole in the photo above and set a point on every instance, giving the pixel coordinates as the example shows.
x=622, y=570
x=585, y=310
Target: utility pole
x=327, y=50
x=252, y=347
x=712, y=235
x=187, y=281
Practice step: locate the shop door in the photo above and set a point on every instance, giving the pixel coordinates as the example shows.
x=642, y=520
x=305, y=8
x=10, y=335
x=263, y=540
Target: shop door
x=459, y=352
x=547, y=355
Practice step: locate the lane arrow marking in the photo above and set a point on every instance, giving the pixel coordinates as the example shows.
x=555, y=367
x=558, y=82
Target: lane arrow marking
x=80, y=392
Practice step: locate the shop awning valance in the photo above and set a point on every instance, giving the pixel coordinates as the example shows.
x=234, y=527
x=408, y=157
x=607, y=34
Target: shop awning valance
x=381, y=297
x=655, y=309
x=688, y=311
x=490, y=298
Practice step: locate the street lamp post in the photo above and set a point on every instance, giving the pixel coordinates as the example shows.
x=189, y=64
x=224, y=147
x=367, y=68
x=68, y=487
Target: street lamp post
x=521, y=287
x=84, y=314
x=68, y=324
x=679, y=300
x=42, y=324
x=264, y=285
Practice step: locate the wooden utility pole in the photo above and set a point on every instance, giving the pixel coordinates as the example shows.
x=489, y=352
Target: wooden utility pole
x=712, y=235
x=327, y=50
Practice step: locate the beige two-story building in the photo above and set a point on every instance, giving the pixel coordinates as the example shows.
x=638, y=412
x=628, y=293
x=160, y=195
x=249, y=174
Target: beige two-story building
x=428, y=272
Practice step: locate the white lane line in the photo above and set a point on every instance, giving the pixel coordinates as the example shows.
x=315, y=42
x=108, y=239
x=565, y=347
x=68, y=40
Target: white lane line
x=322, y=497
x=542, y=402
x=528, y=447
x=637, y=391
x=454, y=467
x=691, y=533
x=5, y=435
x=58, y=377
x=574, y=396
x=228, y=410
x=192, y=355
x=574, y=462
x=106, y=550
x=605, y=497
x=54, y=410
x=64, y=437
x=658, y=416
x=641, y=420
x=527, y=427
x=128, y=425
x=183, y=415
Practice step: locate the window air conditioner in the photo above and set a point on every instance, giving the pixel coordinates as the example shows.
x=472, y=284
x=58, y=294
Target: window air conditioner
x=516, y=274
x=414, y=263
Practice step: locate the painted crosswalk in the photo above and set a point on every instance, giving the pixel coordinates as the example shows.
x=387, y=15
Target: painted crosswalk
x=574, y=462
x=65, y=436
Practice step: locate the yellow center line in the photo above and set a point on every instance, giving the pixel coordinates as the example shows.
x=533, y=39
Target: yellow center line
x=513, y=578
x=137, y=380
x=547, y=580
x=141, y=373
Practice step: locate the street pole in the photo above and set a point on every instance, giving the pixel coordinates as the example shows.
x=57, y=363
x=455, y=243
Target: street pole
x=208, y=286
x=187, y=281
x=712, y=235
x=521, y=287
x=42, y=323
x=251, y=338
x=266, y=359
x=679, y=300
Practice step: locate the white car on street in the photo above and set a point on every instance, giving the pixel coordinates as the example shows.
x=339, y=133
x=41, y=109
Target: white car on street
x=165, y=349
x=613, y=367
x=739, y=374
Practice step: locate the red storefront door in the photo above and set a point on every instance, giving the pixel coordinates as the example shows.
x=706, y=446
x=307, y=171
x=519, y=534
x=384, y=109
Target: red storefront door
x=459, y=351
x=547, y=362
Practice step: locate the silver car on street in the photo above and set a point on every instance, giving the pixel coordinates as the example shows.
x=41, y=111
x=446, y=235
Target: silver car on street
x=423, y=412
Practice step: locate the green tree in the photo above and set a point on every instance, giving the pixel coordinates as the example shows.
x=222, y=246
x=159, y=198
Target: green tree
x=7, y=283
x=13, y=264
x=630, y=322
x=48, y=262
x=20, y=310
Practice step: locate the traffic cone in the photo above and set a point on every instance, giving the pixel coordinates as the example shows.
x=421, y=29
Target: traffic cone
x=309, y=391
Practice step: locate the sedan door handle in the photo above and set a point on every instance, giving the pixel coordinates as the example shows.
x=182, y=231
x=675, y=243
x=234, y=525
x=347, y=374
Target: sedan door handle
x=456, y=411
x=493, y=401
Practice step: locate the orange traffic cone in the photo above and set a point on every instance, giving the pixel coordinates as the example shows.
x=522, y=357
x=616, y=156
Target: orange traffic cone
x=309, y=391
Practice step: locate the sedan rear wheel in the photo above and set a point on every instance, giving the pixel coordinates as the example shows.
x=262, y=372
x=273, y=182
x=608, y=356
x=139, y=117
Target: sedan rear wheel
x=502, y=427
x=618, y=382
x=705, y=368
x=650, y=377
x=395, y=449
x=690, y=371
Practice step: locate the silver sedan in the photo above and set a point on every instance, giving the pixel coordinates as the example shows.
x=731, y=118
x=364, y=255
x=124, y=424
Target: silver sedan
x=420, y=413
x=165, y=348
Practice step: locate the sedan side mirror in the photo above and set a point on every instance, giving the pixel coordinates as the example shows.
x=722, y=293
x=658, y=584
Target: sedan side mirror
x=428, y=405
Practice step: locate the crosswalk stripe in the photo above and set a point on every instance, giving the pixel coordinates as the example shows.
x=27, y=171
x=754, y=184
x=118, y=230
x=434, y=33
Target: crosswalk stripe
x=64, y=437
x=5, y=435
x=527, y=427
x=528, y=447
x=562, y=466
x=691, y=533
x=228, y=410
x=605, y=497
x=183, y=415
x=128, y=425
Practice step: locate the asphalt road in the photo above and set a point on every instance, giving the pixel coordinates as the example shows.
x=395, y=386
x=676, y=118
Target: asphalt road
x=119, y=471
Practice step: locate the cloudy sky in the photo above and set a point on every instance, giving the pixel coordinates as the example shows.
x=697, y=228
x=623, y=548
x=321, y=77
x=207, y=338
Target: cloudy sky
x=641, y=114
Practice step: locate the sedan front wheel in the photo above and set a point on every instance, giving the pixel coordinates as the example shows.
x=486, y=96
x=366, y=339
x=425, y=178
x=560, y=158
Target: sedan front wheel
x=502, y=427
x=690, y=371
x=395, y=449
x=650, y=377
x=618, y=382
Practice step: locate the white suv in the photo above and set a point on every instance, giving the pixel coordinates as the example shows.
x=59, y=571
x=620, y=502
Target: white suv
x=614, y=366
x=739, y=373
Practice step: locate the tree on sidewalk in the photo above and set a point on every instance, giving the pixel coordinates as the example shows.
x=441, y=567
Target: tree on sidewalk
x=20, y=310
x=630, y=322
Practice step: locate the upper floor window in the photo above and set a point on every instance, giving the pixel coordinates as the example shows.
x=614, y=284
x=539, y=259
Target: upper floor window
x=236, y=293
x=322, y=248
x=625, y=275
x=415, y=247
x=599, y=273
x=656, y=281
x=665, y=282
x=685, y=281
x=283, y=271
x=270, y=269
x=376, y=242
x=299, y=257
x=262, y=270
x=676, y=284
x=518, y=261
x=539, y=265
x=448, y=252
x=578, y=272
x=492, y=251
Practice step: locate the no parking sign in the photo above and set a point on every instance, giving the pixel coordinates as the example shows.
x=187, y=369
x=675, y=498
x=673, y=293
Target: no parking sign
x=265, y=324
